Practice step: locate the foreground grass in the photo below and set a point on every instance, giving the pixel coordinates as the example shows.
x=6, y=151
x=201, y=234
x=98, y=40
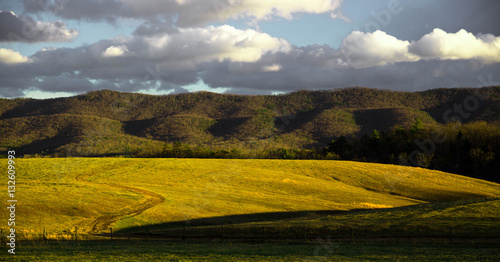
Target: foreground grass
x=60, y=194
x=313, y=203
x=320, y=250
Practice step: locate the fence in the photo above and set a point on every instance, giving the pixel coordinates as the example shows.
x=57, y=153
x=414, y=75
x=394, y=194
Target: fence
x=267, y=233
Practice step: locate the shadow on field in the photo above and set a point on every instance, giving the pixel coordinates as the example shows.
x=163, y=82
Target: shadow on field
x=236, y=219
x=400, y=222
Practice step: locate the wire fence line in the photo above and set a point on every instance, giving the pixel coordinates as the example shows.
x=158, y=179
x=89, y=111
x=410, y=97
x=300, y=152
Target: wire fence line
x=262, y=234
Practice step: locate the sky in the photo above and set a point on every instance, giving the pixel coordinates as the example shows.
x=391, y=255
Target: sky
x=58, y=48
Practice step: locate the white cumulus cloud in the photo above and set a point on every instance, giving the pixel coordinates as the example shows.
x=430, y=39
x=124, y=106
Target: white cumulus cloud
x=192, y=46
x=362, y=50
x=460, y=45
x=8, y=56
x=114, y=51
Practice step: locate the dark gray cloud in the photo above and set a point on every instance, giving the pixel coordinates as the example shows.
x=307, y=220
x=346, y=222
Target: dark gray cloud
x=13, y=87
x=15, y=28
x=182, y=13
x=155, y=26
x=406, y=76
x=418, y=17
x=401, y=76
x=88, y=10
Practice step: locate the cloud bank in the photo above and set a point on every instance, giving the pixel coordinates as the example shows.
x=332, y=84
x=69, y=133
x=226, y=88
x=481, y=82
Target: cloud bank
x=14, y=28
x=363, y=50
x=185, y=13
x=246, y=60
x=461, y=45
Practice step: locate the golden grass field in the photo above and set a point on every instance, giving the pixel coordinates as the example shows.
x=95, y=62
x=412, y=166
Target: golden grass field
x=97, y=193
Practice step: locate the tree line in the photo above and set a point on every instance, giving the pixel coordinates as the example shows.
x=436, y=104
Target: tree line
x=471, y=149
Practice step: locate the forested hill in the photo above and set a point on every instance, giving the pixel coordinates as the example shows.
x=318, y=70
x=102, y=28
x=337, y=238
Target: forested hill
x=112, y=123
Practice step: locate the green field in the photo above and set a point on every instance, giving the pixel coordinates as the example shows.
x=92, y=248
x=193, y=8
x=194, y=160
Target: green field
x=96, y=194
x=284, y=203
x=321, y=250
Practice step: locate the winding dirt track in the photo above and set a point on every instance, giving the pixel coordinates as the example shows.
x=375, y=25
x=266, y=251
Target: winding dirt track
x=101, y=223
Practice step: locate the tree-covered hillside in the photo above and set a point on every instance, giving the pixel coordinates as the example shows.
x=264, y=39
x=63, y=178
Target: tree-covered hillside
x=296, y=125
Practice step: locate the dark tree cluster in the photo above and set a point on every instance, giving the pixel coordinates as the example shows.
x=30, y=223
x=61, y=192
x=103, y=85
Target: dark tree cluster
x=179, y=150
x=471, y=149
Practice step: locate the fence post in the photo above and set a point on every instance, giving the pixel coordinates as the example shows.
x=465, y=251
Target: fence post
x=147, y=232
x=111, y=233
x=352, y=234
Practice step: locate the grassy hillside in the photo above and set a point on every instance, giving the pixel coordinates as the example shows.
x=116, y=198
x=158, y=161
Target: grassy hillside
x=95, y=194
x=302, y=119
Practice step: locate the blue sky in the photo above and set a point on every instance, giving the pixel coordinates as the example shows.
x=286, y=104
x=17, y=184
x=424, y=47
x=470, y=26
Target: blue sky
x=245, y=46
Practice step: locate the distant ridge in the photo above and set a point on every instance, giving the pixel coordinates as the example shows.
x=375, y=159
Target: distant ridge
x=110, y=122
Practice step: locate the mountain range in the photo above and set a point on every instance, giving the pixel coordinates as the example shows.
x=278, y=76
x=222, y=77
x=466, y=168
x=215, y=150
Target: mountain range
x=101, y=123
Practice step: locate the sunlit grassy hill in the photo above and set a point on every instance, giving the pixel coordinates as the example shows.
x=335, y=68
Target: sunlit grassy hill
x=95, y=194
